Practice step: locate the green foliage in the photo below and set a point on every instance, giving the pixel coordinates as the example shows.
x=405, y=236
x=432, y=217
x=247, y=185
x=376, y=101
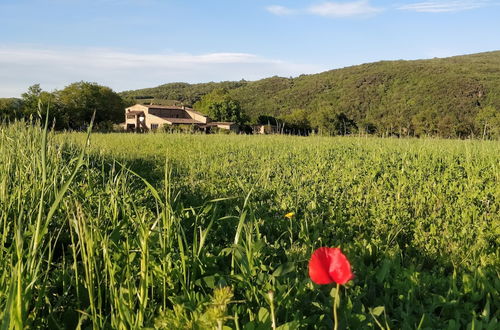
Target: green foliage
x=34, y=97
x=78, y=102
x=489, y=118
x=185, y=93
x=118, y=237
x=10, y=109
x=70, y=108
x=331, y=122
x=183, y=128
x=212, y=316
x=267, y=120
x=297, y=122
x=438, y=97
x=31, y=99
x=219, y=106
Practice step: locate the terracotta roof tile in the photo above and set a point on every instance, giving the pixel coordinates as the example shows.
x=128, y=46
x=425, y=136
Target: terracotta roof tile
x=217, y=123
x=172, y=107
x=182, y=121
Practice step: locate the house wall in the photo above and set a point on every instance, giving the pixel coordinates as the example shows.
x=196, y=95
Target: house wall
x=152, y=119
x=133, y=119
x=197, y=116
x=231, y=127
x=159, y=116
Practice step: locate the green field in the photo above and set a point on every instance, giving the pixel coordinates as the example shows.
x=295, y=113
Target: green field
x=188, y=231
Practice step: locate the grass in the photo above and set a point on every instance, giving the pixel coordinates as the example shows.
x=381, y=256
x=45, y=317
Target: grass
x=188, y=231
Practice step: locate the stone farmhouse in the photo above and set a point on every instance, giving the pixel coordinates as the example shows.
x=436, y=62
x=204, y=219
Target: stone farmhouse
x=140, y=118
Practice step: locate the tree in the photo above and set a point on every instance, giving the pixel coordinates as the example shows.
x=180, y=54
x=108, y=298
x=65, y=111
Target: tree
x=366, y=126
x=35, y=103
x=219, y=106
x=447, y=126
x=424, y=122
x=10, y=109
x=30, y=100
x=297, y=122
x=78, y=102
x=488, y=119
x=267, y=120
x=331, y=122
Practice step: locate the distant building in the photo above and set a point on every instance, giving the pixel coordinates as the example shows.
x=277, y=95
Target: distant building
x=265, y=129
x=230, y=126
x=139, y=118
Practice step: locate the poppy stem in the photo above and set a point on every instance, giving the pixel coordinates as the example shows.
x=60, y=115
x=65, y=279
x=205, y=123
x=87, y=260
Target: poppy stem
x=336, y=303
x=271, y=302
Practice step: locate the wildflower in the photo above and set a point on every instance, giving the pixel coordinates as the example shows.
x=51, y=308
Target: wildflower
x=289, y=215
x=328, y=265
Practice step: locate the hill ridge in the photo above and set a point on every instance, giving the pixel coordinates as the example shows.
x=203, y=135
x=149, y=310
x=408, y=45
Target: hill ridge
x=439, y=96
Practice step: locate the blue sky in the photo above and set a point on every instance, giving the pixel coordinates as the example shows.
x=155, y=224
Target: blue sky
x=129, y=44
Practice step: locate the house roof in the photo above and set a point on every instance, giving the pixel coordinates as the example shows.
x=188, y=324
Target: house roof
x=195, y=112
x=215, y=123
x=171, y=107
x=182, y=120
x=158, y=106
x=166, y=116
x=169, y=117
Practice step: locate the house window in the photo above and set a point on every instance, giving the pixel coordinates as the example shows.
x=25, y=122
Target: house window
x=154, y=126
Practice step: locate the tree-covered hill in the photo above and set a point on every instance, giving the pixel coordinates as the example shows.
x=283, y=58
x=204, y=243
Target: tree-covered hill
x=450, y=97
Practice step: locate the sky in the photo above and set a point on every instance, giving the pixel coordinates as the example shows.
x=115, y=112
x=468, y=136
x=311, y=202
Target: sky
x=131, y=44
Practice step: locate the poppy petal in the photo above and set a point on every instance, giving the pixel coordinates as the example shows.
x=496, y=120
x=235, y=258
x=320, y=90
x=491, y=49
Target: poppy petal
x=319, y=266
x=340, y=268
x=328, y=265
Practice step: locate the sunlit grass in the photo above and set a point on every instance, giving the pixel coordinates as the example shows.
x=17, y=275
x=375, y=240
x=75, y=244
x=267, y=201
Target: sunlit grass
x=191, y=230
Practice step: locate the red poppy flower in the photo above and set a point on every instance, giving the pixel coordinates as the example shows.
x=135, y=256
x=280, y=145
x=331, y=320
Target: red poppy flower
x=328, y=265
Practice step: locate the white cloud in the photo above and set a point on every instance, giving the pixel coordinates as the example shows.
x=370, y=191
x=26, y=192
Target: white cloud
x=330, y=9
x=364, y=8
x=343, y=9
x=280, y=10
x=54, y=68
x=444, y=6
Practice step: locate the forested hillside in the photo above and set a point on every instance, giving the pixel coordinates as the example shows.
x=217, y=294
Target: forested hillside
x=450, y=97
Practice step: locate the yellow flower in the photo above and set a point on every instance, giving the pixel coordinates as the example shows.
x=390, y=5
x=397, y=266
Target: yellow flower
x=289, y=215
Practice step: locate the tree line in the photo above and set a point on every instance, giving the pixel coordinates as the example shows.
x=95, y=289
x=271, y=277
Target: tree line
x=455, y=97
x=70, y=108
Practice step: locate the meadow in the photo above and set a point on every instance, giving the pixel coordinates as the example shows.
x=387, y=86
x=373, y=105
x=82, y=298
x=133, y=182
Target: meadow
x=189, y=231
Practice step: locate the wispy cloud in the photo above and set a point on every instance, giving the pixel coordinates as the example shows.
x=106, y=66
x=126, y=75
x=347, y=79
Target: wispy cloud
x=280, y=10
x=334, y=9
x=330, y=9
x=344, y=9
x=54, y=68
x=444, y=6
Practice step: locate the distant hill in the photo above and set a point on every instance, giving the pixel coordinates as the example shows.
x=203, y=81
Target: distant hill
x=441, y=96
